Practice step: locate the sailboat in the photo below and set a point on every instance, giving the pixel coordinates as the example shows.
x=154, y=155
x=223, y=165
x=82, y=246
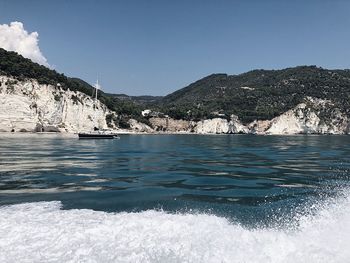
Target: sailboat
x=97, y=133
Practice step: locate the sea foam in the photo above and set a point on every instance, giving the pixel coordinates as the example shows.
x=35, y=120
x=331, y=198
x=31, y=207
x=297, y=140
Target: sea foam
x=44, y=232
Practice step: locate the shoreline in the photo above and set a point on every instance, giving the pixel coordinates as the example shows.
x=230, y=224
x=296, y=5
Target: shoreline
x=70, y=134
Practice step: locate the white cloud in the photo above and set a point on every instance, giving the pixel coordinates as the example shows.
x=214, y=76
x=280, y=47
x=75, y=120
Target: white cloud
x=13, y=37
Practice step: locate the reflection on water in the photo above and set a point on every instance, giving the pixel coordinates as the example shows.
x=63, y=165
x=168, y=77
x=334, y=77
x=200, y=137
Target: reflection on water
x=225, y=173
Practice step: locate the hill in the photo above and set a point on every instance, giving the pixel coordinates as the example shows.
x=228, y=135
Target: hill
x=258, y=94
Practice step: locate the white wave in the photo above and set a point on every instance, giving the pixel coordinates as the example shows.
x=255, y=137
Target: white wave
x=43, y=232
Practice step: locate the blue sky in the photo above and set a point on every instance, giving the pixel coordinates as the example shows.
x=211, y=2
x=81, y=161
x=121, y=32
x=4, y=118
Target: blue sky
x=156, y=47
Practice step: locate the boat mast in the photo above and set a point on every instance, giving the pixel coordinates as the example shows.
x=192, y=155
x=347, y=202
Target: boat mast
x=96, y=88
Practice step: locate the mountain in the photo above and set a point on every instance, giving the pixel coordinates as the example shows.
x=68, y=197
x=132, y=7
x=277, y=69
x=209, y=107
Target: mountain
x=258, y=94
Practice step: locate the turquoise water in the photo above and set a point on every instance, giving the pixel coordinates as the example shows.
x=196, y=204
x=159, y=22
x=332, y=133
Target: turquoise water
x=176, y=198
x=235, y=176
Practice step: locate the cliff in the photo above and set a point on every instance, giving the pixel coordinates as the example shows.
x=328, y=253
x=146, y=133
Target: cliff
x=314, y=116
x=29, y=106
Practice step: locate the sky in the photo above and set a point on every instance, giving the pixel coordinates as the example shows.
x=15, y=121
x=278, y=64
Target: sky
x=155, y=47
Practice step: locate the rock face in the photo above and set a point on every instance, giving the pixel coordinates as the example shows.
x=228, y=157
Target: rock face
x=139, y=126
x=218, y=126
x=171, y=125
x=29, y=106
x=259, y=127
x=315, y=116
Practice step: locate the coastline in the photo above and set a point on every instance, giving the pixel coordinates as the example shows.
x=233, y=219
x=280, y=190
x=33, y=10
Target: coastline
x=71, y=135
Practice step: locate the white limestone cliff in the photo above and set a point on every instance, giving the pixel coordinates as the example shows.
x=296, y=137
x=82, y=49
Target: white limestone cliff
x=309, y=118
x=212, y=126
x=219, y=126
x=30, y=106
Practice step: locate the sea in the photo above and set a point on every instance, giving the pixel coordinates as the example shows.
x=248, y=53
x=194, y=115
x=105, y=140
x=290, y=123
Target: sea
x=175, y=198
